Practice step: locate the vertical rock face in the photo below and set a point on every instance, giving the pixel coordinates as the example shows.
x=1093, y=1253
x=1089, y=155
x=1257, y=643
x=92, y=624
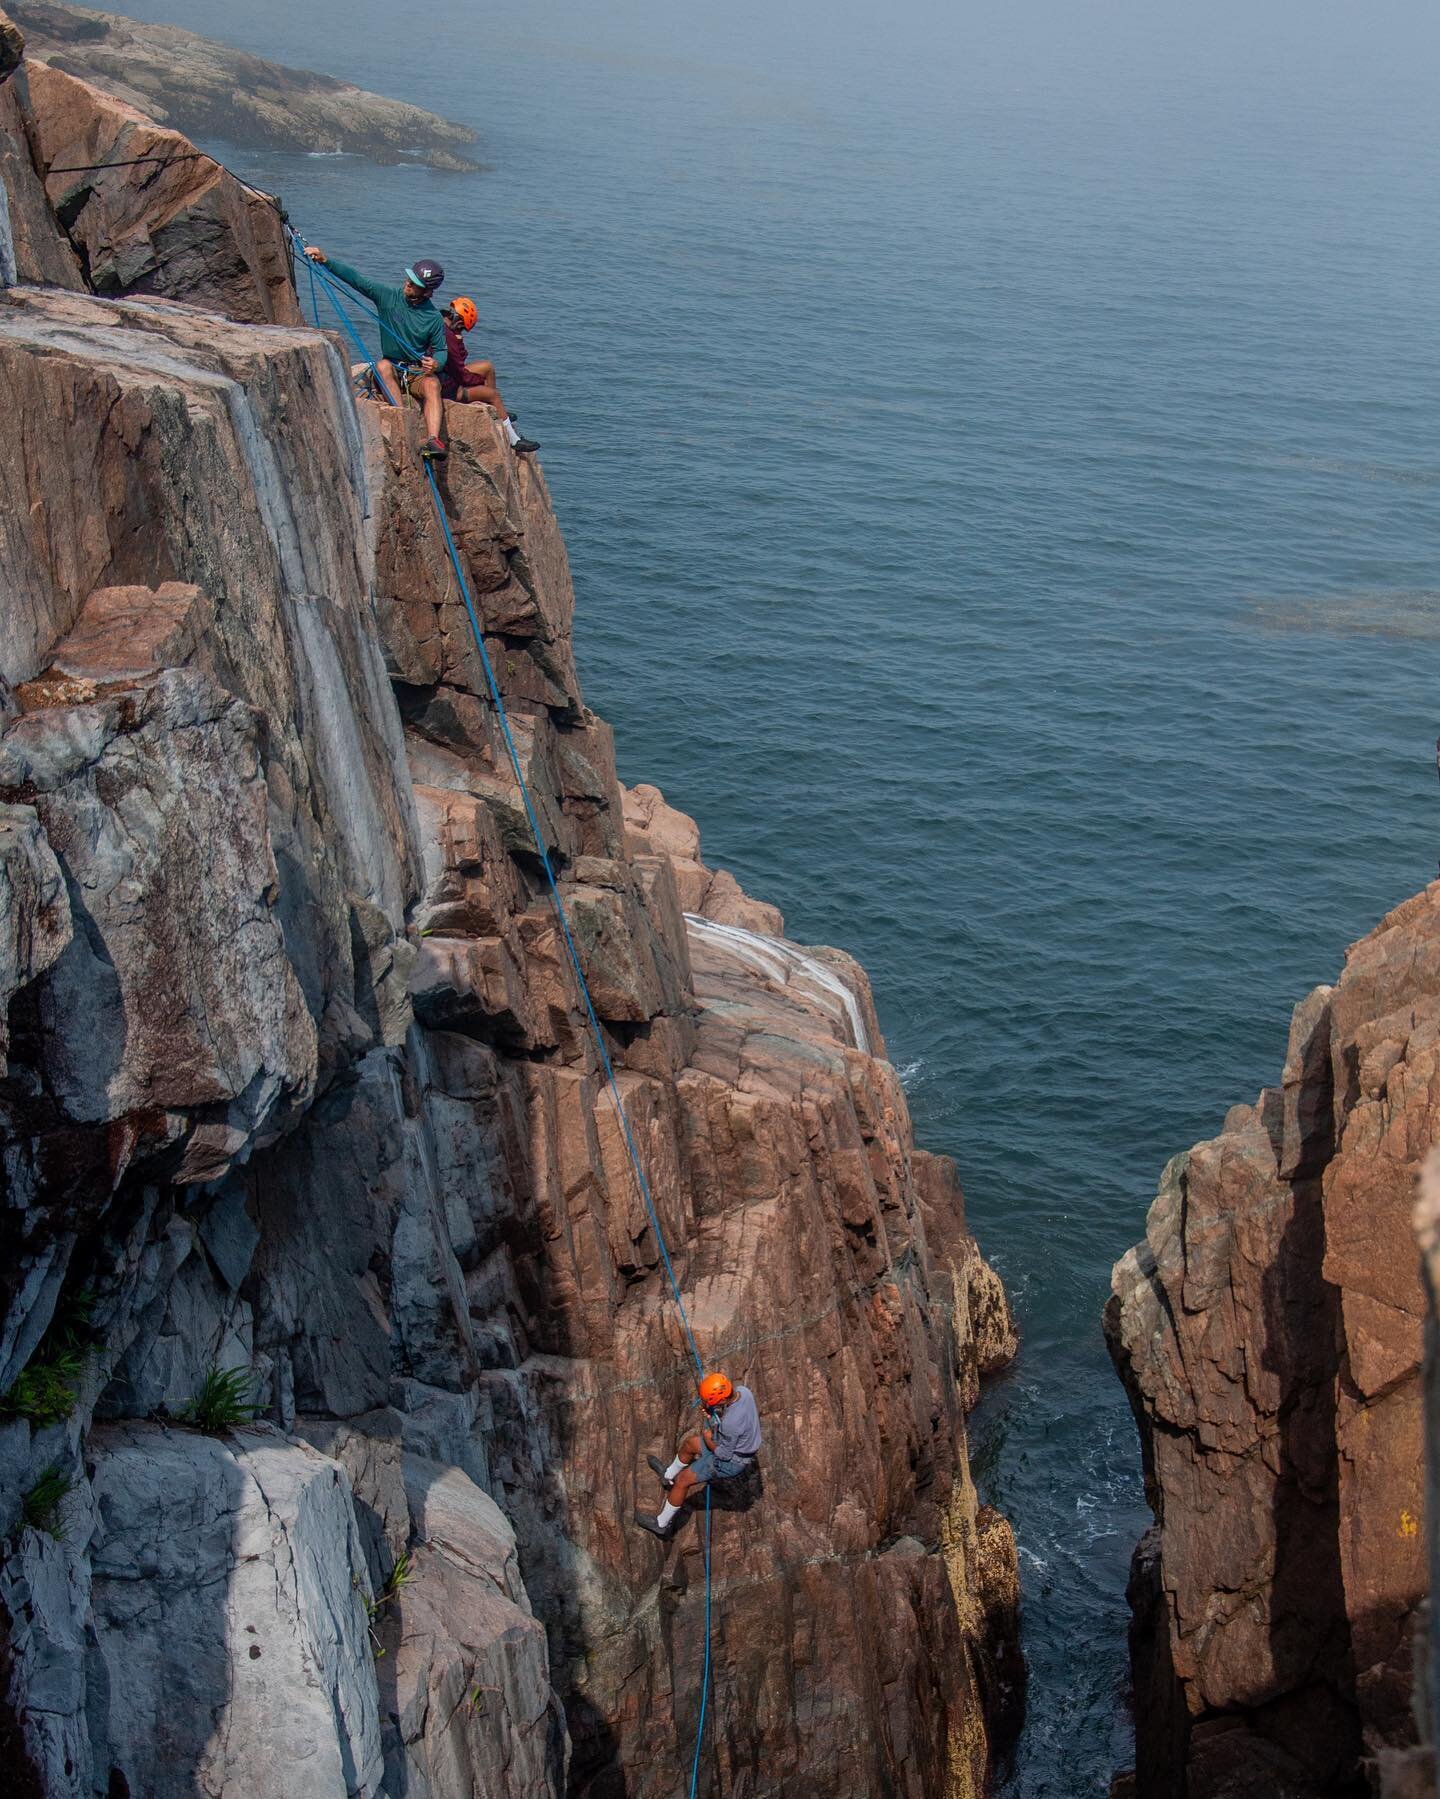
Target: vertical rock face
x=1410, y=1772
x=1269, y=1332
x=335, y=1327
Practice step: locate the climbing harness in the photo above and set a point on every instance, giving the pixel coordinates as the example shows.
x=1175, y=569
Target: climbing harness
x=338, y=294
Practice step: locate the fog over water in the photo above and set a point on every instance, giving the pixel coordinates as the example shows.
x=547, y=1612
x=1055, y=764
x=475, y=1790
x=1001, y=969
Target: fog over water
x=997, y=450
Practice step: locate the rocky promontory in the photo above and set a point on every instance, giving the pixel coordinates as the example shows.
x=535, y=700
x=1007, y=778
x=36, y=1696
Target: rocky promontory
x=1269, y=1332
x=335, y=1332
x=213, y=91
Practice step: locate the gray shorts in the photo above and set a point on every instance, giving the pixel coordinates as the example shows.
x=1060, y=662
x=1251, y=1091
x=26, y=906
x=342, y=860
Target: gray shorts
x=707, y=1466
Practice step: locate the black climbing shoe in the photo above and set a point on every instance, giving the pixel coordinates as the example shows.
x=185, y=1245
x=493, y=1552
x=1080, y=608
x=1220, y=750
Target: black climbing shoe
x=659, y=1468
x=432, y=449
x=524, y=446
x=653, y=1525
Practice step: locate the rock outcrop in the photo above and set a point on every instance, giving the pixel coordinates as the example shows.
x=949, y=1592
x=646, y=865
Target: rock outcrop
x=211, y=90
x=175, y=226
x=1269, y=1332
x=334, y=1323
x=1410, y=1772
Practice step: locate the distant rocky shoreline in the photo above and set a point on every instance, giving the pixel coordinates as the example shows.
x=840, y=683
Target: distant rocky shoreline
x=210, y=90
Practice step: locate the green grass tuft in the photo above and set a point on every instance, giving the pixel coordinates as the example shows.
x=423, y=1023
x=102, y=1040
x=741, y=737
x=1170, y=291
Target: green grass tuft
x=400, y=1575
x=222, y=1403
x=46, y=1389
x=45, y=1392
x=40, y=1508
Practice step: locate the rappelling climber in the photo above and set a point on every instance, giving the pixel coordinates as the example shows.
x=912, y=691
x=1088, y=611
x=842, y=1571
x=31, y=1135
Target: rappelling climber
x=412, y=335
x=474, y=383
x=722, y=1449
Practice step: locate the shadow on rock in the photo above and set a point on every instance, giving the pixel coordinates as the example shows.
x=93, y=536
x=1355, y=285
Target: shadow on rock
x=595, y=1771
x=1313, y=1720
x=738, y=1494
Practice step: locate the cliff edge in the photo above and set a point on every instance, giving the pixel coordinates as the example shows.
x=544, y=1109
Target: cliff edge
x=1269, y=1332
x=334, y=1329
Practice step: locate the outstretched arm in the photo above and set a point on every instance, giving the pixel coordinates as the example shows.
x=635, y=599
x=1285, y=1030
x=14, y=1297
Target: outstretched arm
x=362, y=284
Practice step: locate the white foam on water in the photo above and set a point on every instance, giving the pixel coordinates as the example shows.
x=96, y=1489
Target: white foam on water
x=779, y=962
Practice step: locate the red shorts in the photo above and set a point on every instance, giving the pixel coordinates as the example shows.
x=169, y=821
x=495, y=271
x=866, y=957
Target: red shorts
x=450, y=385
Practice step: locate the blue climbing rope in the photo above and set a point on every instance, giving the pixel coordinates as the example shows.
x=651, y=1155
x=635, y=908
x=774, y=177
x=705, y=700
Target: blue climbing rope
x=571, y=950
x=314, y=293
x=539, y=836
x=705, y=1677
x=338, y=295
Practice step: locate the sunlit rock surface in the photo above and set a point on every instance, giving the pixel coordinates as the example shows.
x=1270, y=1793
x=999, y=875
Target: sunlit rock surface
x=298, y=1086
x=1269, y=1330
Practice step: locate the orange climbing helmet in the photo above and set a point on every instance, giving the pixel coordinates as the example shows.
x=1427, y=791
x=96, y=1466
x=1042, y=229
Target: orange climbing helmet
x=464, y=310
x=715, y=1389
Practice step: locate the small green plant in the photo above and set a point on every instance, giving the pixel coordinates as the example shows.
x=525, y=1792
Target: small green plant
x=222, y=1403
x=400, y=1575
x=45, y=1390
x=40, y=1508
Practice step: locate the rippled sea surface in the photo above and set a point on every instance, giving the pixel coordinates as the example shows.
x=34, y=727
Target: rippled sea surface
x=999, y=466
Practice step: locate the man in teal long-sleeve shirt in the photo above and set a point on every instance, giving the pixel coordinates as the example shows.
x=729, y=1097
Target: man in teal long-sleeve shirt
x=412, y=333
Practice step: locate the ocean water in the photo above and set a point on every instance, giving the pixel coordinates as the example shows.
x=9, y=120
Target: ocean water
x=998, y=459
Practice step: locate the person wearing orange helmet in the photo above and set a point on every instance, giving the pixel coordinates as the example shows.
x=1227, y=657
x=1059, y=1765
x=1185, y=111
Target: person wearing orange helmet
x=722, y=1449
x=473, y=383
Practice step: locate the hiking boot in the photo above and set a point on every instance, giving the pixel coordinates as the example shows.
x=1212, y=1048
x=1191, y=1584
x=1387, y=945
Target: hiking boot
x=659, y=1468
x=646, y=1522
x=524, y=446
x=433, y=449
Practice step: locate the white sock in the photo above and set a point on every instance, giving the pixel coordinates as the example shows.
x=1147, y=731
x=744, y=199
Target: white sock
x=512, y=436
x=668, y=1513
x=674, y=1468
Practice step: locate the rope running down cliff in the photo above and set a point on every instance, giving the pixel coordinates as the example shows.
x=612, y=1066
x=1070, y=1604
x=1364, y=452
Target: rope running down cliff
x=337, y=296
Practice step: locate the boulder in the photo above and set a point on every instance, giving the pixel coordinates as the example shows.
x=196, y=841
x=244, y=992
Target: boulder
x=471, y=1707
x=188, y=231
x=154, y=803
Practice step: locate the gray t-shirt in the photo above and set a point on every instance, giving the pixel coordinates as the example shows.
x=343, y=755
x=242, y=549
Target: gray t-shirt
x=737, y=1429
